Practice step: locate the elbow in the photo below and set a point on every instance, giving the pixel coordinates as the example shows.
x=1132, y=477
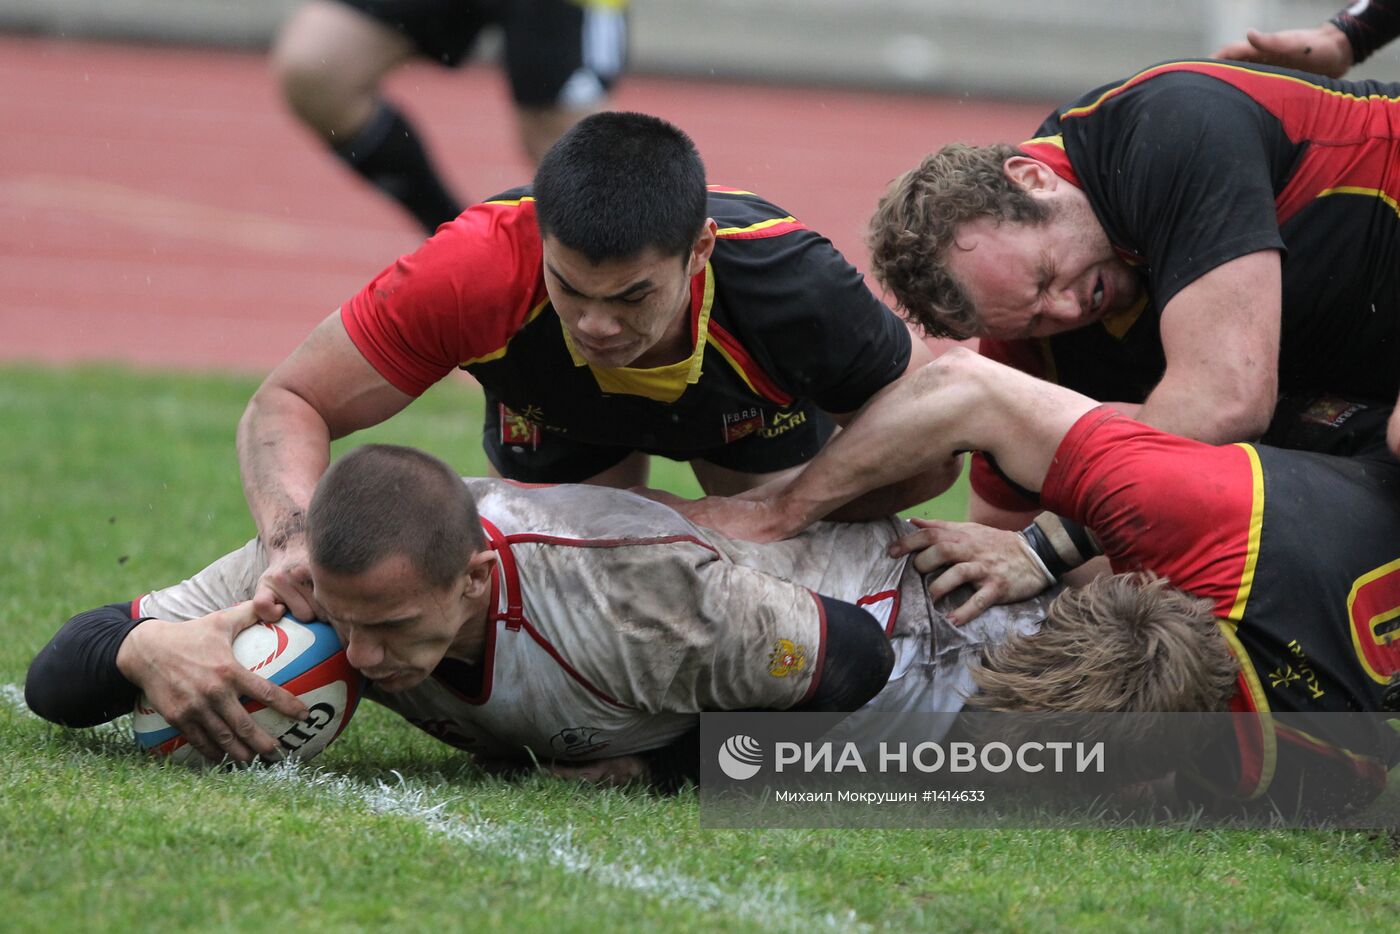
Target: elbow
x=1245, y=420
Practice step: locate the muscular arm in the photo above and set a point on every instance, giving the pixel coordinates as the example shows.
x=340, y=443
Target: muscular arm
x=960, y=402
x=1221, y=338
x=324, y=390
x=910, y=491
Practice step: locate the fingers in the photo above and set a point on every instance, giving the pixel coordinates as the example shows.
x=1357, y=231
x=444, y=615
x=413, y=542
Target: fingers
x=1246, y=51
x=930, y=534
x=271, y=695
x=267, y=605
x=974, y=606
x=955, y=577
x=208, y=728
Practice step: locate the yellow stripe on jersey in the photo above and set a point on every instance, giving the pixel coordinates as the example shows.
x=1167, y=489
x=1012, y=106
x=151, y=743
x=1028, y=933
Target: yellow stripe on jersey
x=500, y=351
x=1058, y=141
x=1269, y=761
x=661, y=383
x=530, y=198
x=1210, y=66
x=761, y=225
x=1256, y=528
x=1364, y=192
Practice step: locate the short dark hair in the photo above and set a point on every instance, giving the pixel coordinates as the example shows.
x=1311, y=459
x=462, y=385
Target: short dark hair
x=382, y=500
x=618, y=183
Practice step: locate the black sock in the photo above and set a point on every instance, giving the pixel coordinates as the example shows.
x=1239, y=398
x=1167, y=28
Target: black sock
x=389, y=155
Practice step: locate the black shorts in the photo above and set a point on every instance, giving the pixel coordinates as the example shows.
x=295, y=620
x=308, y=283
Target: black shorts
x=532, y=454
x=558, y=53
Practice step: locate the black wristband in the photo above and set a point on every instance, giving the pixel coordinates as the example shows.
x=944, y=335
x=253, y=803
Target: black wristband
x=1046, y=552
x=1062, y=544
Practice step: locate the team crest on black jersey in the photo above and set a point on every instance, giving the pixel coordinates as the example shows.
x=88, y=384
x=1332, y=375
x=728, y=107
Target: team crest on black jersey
x=519, y=429
x=742, y=424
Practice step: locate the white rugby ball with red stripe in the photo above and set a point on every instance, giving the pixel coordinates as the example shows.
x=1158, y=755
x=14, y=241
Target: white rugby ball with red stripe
x=306, y=659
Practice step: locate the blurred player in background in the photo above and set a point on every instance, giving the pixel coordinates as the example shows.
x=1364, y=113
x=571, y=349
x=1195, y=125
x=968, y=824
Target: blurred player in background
x=615, y=309
x=576, y=624
x=1193, y=239
x=561, y=57
x=1330, y=49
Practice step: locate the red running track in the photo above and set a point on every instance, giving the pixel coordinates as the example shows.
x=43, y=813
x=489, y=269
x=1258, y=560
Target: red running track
x=158, y=206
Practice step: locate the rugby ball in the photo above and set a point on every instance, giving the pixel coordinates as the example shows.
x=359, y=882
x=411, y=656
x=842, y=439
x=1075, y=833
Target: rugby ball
x=306, y=659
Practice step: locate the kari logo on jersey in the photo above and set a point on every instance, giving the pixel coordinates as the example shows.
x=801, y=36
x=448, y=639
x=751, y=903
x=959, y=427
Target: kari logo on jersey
x=787, y=658
x=784, y=422
x=739, y=425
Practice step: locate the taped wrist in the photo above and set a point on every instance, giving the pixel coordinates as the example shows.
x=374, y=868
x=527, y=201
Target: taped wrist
x=1059, y=544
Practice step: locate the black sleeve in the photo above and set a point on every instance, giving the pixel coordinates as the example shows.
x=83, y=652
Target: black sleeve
x=824, y=334
x=1370, y=27
x=857, y=662
x=74, y=680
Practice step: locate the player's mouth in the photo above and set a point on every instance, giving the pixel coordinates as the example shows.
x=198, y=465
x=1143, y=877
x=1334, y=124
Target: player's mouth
x=599, y=350
x=1098, y=297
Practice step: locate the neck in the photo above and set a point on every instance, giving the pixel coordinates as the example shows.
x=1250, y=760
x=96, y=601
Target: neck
x=470, y=644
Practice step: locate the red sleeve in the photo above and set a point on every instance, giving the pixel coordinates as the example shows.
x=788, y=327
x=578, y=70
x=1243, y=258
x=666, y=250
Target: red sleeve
x=460, y=297
x=1157, y=502
x=1029, y=357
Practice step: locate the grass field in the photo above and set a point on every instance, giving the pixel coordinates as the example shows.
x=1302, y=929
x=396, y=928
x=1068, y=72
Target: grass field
x=112, y=483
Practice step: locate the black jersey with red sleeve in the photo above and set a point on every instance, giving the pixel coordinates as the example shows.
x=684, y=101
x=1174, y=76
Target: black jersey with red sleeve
x=1191, y=164
x=783, y=328
x=1298, y=551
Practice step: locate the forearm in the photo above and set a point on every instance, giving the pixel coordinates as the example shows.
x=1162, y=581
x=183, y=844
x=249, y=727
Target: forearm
x=283, y=448
x=912, y=491
x=74, y=680
x=909, y=430
x=1181, y=407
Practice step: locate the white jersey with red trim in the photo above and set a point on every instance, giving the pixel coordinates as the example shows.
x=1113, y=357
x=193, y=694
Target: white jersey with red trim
x=617, y=621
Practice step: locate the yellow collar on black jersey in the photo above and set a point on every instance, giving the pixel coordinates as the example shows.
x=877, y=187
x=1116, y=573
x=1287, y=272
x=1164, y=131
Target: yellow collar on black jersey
x=661, y=383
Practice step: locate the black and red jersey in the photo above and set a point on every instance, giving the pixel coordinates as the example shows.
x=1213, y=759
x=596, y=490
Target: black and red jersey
x=783, y=328
x=1191, y=164
x=1298, y=551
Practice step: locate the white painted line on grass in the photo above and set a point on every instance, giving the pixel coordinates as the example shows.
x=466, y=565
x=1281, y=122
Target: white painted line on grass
x=528, y=844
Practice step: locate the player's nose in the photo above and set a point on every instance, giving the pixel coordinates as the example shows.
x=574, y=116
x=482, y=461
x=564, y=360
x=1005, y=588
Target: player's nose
x=362, y=652
x=596, y=323
x=1065, y=306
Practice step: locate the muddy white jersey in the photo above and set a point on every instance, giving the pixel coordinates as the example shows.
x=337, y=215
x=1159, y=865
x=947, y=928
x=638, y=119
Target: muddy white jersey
x=616, y=621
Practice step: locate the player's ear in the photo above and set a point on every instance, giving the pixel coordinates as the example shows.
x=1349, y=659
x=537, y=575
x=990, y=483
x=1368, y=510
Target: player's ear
x=479, y=567
x=1030, y=174
x=701, y=249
